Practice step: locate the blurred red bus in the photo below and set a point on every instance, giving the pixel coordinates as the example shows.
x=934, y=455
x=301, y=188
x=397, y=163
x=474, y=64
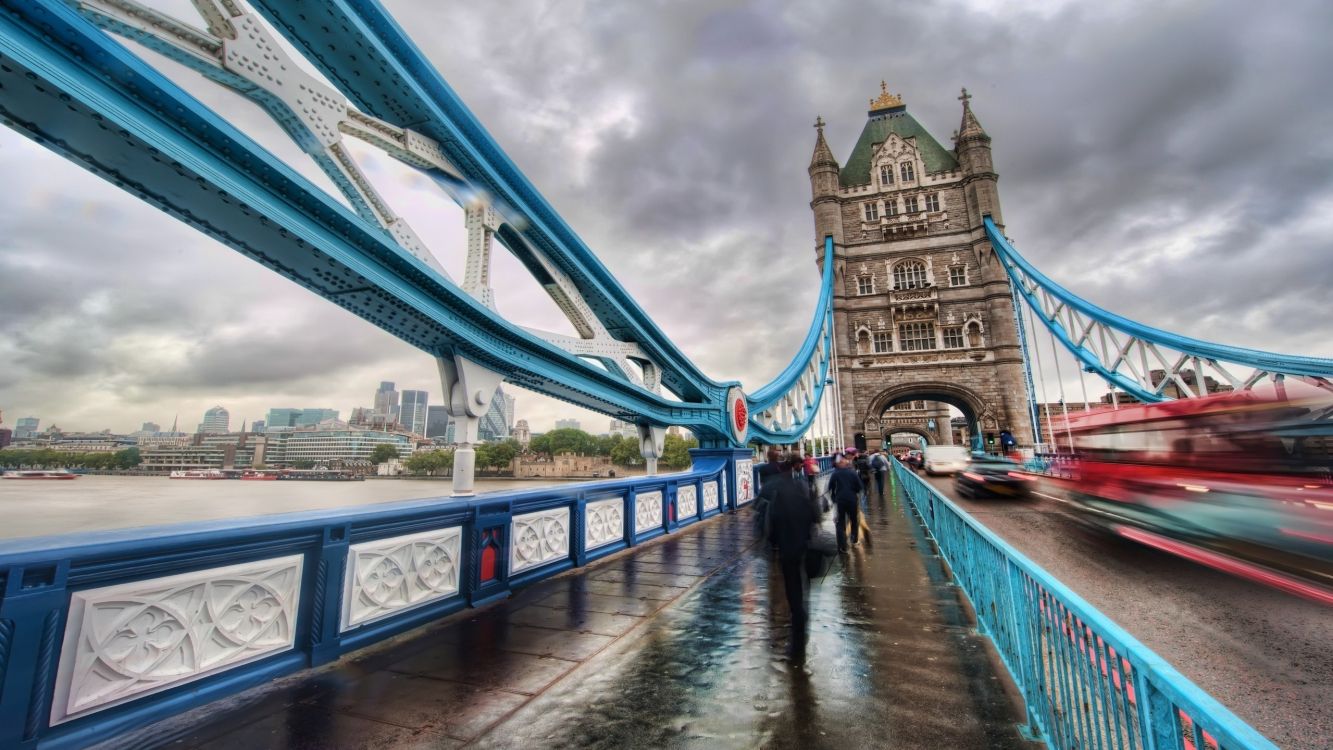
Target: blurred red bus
x=1241, y=481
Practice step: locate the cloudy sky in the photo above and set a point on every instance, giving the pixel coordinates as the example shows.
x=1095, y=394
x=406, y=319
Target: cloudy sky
x=1169, y=160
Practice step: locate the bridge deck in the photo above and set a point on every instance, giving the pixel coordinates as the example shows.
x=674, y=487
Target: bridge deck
x=680, y=643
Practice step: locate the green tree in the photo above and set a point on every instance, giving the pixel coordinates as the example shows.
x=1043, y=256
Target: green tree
x=626, y=453
x=383, y=452
x=676, y=451
x=430, y=463
x=501, y=454
x=540, y=444
x=128, y=458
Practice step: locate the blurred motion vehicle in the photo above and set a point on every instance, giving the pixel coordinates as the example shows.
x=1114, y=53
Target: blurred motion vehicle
x=1241, y=481
x=945, y=459
x=993, y=476
x=913, y=459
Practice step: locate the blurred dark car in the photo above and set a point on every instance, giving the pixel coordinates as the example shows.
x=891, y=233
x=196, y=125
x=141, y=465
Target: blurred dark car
x=913, y=460
x=992, y=476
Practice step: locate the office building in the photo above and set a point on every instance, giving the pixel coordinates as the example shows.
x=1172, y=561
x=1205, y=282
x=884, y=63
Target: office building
x=437, y=421
x=26, y=427
x=150, y=427
x=322, y=447
x=216, y=419
x=492, y=426
x=566, y=424
x=258, y=426
x=290, y=419
x=412, y=412
x=509, y=402
x=386, y=401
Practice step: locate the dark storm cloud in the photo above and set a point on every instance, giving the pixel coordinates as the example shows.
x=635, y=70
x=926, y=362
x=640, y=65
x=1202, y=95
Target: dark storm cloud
x=1168, y=160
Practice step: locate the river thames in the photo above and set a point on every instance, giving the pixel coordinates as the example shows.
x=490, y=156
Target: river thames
x=96, y=503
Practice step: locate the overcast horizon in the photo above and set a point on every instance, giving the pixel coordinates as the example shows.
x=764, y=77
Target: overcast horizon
x=1160, y=159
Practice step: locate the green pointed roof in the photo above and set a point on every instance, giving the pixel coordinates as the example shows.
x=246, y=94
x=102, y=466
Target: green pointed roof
x=877, y=130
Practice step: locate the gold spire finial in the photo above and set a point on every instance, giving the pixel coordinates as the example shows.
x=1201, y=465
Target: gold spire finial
x=885, y=99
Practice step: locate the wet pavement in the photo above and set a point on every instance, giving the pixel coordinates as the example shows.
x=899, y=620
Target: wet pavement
x=682, y=642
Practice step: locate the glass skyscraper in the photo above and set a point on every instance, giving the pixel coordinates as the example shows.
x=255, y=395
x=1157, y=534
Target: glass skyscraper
x=413, y=412
x=437, y=421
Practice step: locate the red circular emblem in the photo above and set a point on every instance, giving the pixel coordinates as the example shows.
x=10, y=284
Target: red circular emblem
x=741, y=415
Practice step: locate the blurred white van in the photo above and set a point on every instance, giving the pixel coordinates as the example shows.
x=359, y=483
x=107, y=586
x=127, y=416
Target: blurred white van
x=946, y=459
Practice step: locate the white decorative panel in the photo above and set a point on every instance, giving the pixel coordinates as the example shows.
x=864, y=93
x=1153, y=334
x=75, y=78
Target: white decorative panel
x=385, y=576
x=648, y=511
x=744, y=481
x=128, y=640
x=687, y=502
x=537, y=538
x=710, y=496
x=603, y=522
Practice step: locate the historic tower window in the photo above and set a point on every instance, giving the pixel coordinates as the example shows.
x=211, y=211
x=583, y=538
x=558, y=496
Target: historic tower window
x=886, y=175
x=883, y=342
x=891, y=207
x=915, y=337
x=872, y=211
x=953, y=337
x=910, y=274
x=909, y=205
x=907, y=171
x=957, y=275
x=933, y=202
x=865, y=285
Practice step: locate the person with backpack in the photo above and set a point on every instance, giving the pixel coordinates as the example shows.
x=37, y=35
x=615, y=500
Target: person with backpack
x=879, y=463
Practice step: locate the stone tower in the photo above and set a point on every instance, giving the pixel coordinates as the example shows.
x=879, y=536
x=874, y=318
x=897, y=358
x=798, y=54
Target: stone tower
x=923, y=309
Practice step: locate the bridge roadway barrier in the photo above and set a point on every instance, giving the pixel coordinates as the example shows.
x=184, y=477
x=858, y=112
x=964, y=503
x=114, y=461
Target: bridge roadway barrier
x=108, y=631
x=1086, y=682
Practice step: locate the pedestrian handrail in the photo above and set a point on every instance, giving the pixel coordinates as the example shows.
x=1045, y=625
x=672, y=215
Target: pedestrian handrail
x=1086, y=682
x=103, y=632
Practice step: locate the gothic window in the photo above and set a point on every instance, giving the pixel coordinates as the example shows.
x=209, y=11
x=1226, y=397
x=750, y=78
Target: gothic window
x=883, y=342
x=891, y=207
x=953, y=337
x=865, y=285
x=933, y=202
x=957, y=275
x=909, y=205
x=919, y=405
x=907, y=171
x=910, y=274
x=872, y=211
x=914, y=337
x=885, y=175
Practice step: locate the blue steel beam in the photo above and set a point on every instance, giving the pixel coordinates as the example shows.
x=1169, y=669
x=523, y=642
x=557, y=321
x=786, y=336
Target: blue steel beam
x=364, y=53
x=1079, y=325
x=70, y=87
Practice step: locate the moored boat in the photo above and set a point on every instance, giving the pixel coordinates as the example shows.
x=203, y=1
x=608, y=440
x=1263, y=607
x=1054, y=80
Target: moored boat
x=259, y=475
x=39, y=474
x=198, y=474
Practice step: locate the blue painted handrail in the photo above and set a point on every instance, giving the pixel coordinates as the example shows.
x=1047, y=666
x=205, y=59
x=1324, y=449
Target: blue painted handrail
x=45, y=581
x=1085, y=681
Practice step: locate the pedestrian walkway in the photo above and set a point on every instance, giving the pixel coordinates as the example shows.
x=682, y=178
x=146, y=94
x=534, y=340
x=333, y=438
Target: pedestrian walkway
x=679, y=643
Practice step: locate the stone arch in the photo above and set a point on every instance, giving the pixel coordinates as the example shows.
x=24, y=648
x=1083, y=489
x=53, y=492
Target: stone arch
x=979, y=414
x=923, y=433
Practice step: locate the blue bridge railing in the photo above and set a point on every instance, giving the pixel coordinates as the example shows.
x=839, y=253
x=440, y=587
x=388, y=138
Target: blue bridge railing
x=104, y=632
x=1086, y=682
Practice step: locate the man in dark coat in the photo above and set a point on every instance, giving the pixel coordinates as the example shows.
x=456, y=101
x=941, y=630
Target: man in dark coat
x=791, y=520
x=846, y=488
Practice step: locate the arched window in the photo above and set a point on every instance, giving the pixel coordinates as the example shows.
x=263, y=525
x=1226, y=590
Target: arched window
x=908, y=171
x=886, y=175
x=910, y=274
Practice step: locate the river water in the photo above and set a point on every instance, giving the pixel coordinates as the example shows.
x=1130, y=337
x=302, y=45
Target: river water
x=95, y=503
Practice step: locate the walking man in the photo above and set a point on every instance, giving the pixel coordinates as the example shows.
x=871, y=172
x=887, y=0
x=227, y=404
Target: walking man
x=791, y=518
x=846, y=488
x=879, y=464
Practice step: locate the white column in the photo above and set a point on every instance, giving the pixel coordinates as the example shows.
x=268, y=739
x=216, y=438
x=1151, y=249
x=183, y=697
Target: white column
x=468, y=389
x=652, y=443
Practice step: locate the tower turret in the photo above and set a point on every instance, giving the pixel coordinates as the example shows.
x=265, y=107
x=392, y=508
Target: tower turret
x=824, y=190
x=974, y=157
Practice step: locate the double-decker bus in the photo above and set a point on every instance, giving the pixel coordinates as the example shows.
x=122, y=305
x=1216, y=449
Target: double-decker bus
x=1241, y=481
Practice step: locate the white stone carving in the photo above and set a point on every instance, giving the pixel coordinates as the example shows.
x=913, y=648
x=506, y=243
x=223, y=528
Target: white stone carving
x=710, y=496
x=744, y=481
x=128, y=640
x=648, y=511
x=687, y=502
x=538, y=538
x=386, y=576
x=603, y=522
